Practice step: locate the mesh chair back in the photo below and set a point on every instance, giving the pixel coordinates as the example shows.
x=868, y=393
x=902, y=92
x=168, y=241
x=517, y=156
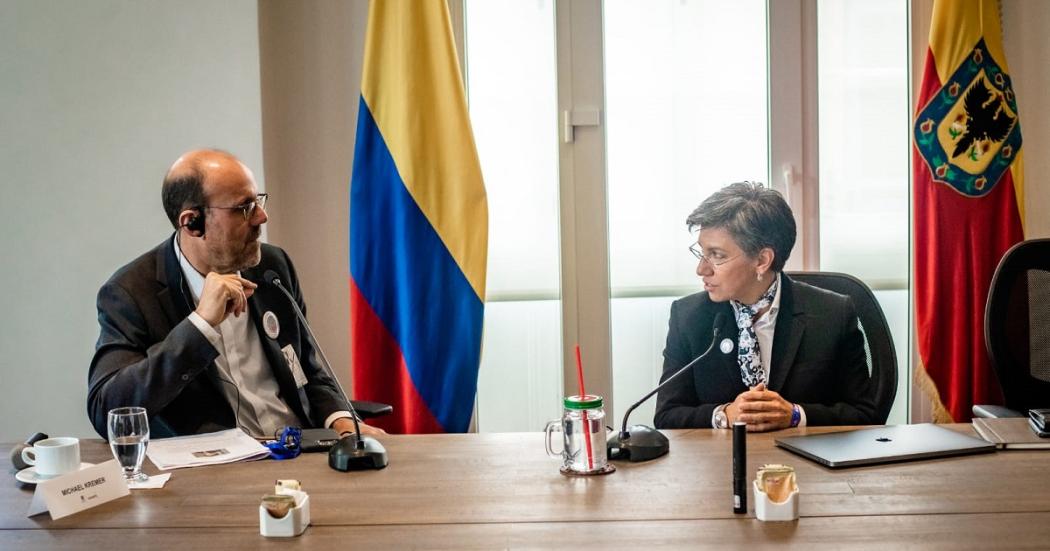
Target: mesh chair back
x=1017, y=325
x=878, y=342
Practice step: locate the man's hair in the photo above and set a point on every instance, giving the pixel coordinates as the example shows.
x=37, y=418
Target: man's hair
x=754, y=216
x=182, y=190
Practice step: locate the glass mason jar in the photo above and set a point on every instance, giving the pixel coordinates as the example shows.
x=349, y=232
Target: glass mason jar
x=582, y=425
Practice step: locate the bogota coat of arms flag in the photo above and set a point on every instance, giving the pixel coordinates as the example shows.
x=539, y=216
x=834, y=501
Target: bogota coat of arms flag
x=968, y=198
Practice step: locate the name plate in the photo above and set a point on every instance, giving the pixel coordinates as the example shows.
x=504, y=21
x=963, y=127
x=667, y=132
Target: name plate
x=77, y=491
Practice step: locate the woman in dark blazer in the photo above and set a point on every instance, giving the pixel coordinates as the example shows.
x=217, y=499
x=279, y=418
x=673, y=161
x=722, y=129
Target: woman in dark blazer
x=789, y=354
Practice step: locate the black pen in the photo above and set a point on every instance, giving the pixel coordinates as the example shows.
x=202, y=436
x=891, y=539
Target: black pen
x=739, y=467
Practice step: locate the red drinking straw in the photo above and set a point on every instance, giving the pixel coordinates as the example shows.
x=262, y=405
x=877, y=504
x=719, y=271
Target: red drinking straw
x=583, y=412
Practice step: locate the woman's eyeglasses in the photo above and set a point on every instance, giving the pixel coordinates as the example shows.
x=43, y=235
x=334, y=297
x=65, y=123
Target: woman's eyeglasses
x=715, y=259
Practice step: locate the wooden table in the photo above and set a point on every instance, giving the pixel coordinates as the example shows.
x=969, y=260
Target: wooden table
x=500, y=490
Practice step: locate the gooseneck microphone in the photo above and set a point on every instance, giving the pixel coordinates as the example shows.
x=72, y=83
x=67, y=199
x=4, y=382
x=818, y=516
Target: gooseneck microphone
x=352, y=453
x=642, y=443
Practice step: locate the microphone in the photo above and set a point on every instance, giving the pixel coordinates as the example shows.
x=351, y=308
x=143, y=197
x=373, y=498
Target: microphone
x=642, y=443
x=351, y=453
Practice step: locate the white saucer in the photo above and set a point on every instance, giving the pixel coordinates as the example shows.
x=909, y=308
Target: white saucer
x=30, y=476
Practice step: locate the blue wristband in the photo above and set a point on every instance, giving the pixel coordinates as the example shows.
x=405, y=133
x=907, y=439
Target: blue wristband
x=796, y=415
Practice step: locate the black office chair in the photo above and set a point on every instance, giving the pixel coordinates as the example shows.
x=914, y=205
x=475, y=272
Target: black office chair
x=371, y=410
x=878, y=342
x=1017, y=329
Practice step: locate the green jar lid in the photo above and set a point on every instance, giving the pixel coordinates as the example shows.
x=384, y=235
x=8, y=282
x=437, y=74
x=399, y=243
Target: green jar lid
x=587, y=401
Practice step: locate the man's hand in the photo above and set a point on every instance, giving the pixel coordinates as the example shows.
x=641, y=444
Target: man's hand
x=224, y=294
x=763, y=410
x=346, y=424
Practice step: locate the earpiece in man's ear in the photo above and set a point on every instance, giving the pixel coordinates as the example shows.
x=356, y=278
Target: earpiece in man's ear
x=196, y=223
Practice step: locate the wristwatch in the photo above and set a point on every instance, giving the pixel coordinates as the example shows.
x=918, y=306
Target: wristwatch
x=721, y=420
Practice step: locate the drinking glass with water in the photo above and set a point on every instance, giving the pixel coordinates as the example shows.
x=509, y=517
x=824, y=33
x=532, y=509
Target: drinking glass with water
x=128, y=438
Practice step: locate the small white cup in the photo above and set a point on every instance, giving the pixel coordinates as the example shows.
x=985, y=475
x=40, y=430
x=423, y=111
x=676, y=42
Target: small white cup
x=53, y=456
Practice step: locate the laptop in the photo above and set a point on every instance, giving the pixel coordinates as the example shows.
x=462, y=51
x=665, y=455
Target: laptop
x=883, y=445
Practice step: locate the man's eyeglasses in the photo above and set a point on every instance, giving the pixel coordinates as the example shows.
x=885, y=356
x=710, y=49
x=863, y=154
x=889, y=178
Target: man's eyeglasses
x=248, y=209
x=715, y=259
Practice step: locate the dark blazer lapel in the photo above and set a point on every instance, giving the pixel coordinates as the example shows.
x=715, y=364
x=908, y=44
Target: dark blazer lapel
x=731, y=332
x=177, y=302
x=174, y=296
x=719, y=365
x=728, y=330
x=787, y=335
x=258, y=305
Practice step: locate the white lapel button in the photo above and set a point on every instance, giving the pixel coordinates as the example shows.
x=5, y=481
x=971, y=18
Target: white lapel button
x=271, y=325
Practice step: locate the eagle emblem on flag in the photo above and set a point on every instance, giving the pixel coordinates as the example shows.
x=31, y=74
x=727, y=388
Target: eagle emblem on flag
x=968, y=133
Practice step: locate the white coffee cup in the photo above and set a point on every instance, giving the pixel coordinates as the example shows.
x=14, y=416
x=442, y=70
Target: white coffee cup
x=53, y=456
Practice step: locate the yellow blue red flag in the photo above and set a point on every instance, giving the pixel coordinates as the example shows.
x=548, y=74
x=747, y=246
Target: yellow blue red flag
x=418, y=225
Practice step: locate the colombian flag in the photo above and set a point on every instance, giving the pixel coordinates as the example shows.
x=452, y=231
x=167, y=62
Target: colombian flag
x=418, y=225
x=969, y=200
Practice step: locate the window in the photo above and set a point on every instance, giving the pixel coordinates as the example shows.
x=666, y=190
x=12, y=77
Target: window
x=864, y=122
x=686, y=102
x=513, y=109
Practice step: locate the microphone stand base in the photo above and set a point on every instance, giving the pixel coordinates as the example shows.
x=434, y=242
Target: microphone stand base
x=346, y=456
x=642, y=444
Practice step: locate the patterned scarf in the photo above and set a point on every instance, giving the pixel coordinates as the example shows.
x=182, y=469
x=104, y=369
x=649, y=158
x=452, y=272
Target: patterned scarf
x=748, y=357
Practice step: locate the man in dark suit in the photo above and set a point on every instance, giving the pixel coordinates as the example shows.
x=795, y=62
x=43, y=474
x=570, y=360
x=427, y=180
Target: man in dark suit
x=791, y=354
x=188, y=330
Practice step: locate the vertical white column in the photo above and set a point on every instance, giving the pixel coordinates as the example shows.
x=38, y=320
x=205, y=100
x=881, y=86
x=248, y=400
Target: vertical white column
x=584, y=210
x=793, y=146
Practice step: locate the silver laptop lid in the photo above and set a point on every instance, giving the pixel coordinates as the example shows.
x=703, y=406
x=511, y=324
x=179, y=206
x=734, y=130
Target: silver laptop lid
x=883, y=445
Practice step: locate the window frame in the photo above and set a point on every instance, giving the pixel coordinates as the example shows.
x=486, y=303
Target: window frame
x=793, y=150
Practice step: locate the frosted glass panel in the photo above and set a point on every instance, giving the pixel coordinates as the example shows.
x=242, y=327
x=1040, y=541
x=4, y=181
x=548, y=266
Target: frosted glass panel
x=519, y=387
x=864, y=139
x=686, y=100
x=513, y=109
x=639, y=330
x=895, y=306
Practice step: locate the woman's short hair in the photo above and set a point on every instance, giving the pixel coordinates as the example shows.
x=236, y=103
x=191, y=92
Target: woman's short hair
x=754, y=216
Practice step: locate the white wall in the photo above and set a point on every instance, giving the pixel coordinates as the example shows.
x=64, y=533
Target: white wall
x=311, y=55
x=1027, y=45
x=96, y=100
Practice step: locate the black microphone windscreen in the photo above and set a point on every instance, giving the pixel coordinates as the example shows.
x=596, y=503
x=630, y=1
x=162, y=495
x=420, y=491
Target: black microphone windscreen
x=272, y=278
x=719, y=317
